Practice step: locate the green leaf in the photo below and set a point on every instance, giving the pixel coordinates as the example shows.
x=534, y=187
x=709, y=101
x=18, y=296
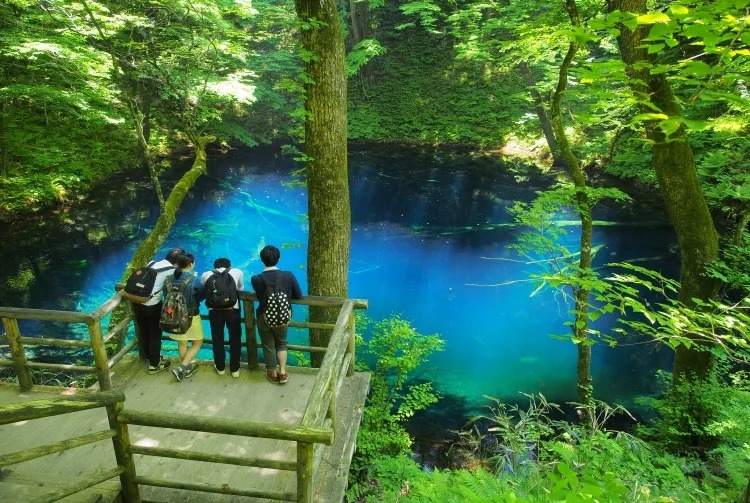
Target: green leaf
x=678, y=10
x=654, y=48
x=697, y=68
x=650, y=117
x=655, y=17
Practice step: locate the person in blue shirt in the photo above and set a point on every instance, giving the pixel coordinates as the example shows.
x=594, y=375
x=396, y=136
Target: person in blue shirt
x=194, y=294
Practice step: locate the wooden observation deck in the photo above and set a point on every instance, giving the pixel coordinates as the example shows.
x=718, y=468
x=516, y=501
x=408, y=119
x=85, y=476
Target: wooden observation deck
x=136, y=437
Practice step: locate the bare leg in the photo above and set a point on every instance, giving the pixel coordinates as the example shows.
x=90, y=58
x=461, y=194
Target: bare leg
x=190, y=353
x=281, y=356
x=181, y=349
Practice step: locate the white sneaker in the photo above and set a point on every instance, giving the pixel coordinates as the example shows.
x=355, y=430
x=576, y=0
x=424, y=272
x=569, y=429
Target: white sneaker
x=220, y=372
x=236, y=373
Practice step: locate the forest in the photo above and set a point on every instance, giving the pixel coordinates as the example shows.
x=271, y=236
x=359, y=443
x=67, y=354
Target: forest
x=651, y=93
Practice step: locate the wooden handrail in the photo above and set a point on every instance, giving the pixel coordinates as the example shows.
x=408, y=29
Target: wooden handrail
x=173, y=484
x=24, y=411
x=63, y=445
x=336, y=350
x=316, y=429
x=274, y=431
x=79, y=486
x=37, y=409
x=245, y=460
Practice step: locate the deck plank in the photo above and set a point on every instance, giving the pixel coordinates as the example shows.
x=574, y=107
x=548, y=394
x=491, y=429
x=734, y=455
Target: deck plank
x=249, y=397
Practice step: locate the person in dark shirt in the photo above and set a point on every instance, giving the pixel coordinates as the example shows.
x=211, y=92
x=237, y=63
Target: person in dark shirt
x=146, y=317
x=273, y=338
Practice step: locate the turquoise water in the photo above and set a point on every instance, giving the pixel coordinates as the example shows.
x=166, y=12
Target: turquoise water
x=429, y=243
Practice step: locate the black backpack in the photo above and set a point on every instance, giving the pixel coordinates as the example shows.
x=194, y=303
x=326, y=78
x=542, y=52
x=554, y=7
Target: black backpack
x=278, y=309
x=140, y=284
x=176, y=316
x=221, y=290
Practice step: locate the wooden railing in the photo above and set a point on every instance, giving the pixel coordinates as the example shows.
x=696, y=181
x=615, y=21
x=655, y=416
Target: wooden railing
x=317, y=428
x=118, y=432
x=96, y=342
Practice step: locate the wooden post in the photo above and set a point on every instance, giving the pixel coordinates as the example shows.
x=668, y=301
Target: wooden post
x=251, y=342
x=13, y=334
x=123, y=454
x=350, y=344
x=100, y=355
x=305, y=472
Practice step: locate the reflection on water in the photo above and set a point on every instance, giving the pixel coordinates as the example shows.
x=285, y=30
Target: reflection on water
x=428, y=242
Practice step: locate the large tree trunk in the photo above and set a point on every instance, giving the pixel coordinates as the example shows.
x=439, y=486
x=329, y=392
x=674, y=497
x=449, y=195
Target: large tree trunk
x=159, y=234
x=585, y=386
x=326, y=150
x=673, y=162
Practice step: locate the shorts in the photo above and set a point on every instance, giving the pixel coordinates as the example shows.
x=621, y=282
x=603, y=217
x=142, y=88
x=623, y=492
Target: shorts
x=194, y=333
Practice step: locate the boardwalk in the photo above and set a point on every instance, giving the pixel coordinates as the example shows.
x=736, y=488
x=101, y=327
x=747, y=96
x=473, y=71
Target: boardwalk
x=249, y=397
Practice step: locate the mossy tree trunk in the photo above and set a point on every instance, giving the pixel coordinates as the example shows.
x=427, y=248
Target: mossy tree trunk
x=159, y=234
x=326, y=151
x=583, y=207
x=674, y=165
x=541, y=113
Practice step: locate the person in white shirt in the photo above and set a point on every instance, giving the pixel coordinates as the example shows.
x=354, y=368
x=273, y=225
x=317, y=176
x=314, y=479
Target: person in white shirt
x=146, y=316
x=219, y=317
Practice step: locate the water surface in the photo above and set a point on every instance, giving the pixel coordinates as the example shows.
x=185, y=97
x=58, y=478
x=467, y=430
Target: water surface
x=430, y=242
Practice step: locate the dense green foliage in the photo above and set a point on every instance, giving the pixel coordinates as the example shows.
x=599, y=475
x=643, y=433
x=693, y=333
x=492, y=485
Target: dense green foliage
x=525, y=456
x=395, y=351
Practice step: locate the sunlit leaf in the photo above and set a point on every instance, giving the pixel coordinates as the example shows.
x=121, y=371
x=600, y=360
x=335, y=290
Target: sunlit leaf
x=655, y=17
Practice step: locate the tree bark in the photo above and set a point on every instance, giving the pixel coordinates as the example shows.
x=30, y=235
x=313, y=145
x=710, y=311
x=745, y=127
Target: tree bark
x=541, y=113
x=326, y=150
x=159, y=234
x=145, y=151
x=585, y=390
x=674, y=165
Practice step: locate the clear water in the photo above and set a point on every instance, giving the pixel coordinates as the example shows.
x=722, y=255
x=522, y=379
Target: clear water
x=428, y=236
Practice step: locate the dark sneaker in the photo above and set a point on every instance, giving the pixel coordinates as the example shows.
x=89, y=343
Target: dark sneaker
x=163, y=365
x=178, y=373
x=271, y=376
x=283, y=378
x=191, y=369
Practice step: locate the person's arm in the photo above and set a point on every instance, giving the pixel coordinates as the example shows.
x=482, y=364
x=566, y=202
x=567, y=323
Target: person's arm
x=296, y=290
x=240, y=279
x=199, y=290
x=259, y=286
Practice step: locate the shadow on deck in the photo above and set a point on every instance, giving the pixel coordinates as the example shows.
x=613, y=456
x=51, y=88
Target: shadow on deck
x=209, y=438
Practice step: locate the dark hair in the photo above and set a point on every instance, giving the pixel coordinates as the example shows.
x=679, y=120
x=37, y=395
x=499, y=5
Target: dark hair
x=174, y=254
x=183, y=261
x=222, y=262
x=270, y=256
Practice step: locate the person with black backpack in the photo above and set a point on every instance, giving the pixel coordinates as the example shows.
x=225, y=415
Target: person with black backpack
x=274, y=288
x=180, y=318
x=146, y=314
x=222, y=285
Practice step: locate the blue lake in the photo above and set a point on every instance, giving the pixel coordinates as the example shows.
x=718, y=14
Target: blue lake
x=429, y=242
